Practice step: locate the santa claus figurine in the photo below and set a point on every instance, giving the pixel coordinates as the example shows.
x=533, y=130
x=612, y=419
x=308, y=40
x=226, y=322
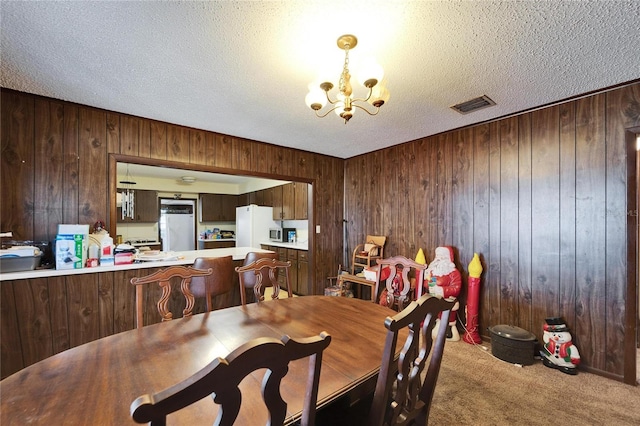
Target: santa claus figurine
x=443, y=279
x=558, y=351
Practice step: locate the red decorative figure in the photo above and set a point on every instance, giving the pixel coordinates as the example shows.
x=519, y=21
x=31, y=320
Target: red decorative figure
x=471, y=335
x=443, y=279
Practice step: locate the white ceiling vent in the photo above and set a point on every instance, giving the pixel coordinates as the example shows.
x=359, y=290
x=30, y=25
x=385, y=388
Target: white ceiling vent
x=473, y=105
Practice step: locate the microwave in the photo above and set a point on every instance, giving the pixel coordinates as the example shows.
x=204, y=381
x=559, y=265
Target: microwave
x=282, y=235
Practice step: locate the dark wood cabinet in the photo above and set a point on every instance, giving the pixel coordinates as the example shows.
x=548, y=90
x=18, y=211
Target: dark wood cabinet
x=292, y=256
x=276, y=202
x=301, y=203
x=217, y=208
x=266, y=197
x=299, y=271
x=145, y=207
x=303, y=273
x=288, y=201
x=215, y=244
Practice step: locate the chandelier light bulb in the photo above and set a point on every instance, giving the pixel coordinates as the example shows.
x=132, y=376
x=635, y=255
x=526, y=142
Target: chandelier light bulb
x=379, y=95
x=316, y=99
x=367, y=71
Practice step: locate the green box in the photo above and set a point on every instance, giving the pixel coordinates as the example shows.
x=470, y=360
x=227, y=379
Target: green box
x=70, y=251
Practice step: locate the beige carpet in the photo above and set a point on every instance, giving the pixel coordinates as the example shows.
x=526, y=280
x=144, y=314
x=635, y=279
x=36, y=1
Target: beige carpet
x=475, y=388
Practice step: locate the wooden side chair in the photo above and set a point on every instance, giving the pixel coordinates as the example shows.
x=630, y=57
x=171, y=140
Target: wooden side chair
x=262, y=273
x=220, y=281
x=398, y=283
x=222, y=377
x=163, y=278
x=248, y=279
x=366, y=254
x=403, y=392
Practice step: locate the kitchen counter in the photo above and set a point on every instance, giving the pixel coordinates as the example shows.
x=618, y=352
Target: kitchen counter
x=294, y=246
x=184, y=258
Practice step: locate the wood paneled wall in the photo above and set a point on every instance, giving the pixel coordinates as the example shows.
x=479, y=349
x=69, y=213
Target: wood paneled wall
x=55, y=168
x=541, y=197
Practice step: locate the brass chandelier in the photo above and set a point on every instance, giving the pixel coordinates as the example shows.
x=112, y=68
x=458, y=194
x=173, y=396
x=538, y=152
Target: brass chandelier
x=345, y=104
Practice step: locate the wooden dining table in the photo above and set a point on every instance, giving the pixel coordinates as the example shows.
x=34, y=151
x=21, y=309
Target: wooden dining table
x=96, y=382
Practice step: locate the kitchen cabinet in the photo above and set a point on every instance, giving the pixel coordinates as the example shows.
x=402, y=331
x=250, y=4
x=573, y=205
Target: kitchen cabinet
x=289, y=201
x=303, y=273
x=292, y=256
x=276, y=202
x=217, y=208
x=215, y=244
x=299, y=271
x=265, y=197
x=145, y=207
x=301, y=203
x=283, y=202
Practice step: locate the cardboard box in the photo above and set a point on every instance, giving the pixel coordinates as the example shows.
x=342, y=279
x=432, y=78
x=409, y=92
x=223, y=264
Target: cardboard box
x=371, y=273
x=71, y=246
x=71, y=251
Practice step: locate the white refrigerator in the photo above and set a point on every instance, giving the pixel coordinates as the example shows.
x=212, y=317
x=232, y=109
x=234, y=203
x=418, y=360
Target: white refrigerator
x=252, y=225
x=177, y=225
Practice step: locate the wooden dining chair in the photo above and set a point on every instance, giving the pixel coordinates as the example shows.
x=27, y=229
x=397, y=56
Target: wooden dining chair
x=398, y=283
x=163, y=278
x=402, y=390
x=222, y=377
x=261, y=273
x=219, y=283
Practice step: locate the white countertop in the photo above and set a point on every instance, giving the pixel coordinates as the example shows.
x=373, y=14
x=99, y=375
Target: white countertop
x=215, y=239
x=296, y=245
x=184, y=258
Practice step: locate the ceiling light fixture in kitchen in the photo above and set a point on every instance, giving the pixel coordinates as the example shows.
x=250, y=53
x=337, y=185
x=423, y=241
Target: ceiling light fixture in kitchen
x=128, y=196
x=345, y=104
x=188, y=179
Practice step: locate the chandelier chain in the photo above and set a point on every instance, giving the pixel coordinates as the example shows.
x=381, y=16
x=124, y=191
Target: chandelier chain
x=345, y=69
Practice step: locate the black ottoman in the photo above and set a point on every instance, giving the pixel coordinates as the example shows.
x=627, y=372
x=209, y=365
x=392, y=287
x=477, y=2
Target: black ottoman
x=512, y=344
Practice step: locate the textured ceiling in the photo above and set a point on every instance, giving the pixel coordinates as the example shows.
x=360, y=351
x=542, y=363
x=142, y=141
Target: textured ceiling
x=243, y=68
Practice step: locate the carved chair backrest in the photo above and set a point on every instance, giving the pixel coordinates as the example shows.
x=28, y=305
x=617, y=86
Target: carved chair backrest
x=265, y=271
x=163, y=278
x=218, y=283
x=249, y=278
x=399, y=268
x=410, y=396
x=222, y=377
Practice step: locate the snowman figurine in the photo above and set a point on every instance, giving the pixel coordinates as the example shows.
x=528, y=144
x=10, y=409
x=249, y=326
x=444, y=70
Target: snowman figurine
x=558, y=351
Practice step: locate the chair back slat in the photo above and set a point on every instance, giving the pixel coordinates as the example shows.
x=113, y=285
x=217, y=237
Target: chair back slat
x=163, y=278
x=266, y=272
x=403, y=391
x=222, y=378
x=399, y=299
